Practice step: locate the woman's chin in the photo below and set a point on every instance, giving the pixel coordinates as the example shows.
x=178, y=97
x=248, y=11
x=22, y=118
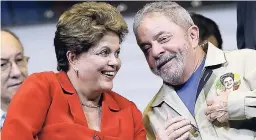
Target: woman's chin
x=107, y=86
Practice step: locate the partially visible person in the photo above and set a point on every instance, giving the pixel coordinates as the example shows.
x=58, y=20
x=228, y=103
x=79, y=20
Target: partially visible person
x=13, y=68
x=208, y=30
x=77, y=103
x=188, y=106
x=246, y=25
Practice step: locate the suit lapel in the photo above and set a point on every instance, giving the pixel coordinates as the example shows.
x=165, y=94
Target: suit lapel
x=176, y=105
x=110, y=122
x=110, y=125
x=69, y=92
x=76, y=109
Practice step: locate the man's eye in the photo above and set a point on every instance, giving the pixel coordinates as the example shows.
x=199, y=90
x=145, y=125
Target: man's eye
x=3, y=64
x=19, y=60
x=146, y=49
x=164, y=39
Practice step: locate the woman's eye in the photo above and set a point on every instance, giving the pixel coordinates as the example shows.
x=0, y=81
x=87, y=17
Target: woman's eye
x=104, y=53
x=117, y=54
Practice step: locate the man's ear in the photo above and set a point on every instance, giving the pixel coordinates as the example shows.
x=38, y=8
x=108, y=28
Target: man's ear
x=193, y=35
x=72, y=59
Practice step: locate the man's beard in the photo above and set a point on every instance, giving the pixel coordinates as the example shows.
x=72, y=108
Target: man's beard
x=171, y=72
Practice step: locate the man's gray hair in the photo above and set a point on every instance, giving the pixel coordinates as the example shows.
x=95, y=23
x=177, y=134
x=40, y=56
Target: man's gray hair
x=174, y=11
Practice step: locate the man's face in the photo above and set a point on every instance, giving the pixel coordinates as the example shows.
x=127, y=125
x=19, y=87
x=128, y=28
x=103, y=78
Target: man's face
x=228, y=82
x=166, y=46
x=13, y=66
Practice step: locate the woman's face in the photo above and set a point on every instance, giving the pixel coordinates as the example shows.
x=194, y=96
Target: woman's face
x=228, y=83
x=98, y=67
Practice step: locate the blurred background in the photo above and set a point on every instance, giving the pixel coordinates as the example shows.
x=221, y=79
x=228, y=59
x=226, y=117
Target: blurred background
x=34, y=22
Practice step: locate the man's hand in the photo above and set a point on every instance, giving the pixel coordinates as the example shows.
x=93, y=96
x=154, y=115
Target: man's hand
x=176, y=128
x=217, y=108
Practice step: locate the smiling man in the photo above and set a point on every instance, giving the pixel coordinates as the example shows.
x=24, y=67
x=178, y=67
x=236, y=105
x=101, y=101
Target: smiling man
x=13, y=68
x=189, y=106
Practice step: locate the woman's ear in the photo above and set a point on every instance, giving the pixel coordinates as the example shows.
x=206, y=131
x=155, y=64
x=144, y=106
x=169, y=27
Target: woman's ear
x=72, y=59
x=193, y=34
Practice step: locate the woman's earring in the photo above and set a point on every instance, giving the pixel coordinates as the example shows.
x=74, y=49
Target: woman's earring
x=77, y=73
x=76, y=70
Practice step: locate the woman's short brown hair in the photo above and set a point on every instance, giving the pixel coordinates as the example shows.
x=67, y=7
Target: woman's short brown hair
x=82, y=26
x=223, y=77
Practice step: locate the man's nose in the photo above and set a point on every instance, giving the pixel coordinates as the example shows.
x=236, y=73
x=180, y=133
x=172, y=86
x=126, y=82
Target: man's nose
x=15, y=70
x=157, y=51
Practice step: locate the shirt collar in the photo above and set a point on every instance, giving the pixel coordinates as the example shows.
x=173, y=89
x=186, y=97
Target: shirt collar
x=3, y=115
x=214, y=56
x=65, y=82
x=2, y=112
